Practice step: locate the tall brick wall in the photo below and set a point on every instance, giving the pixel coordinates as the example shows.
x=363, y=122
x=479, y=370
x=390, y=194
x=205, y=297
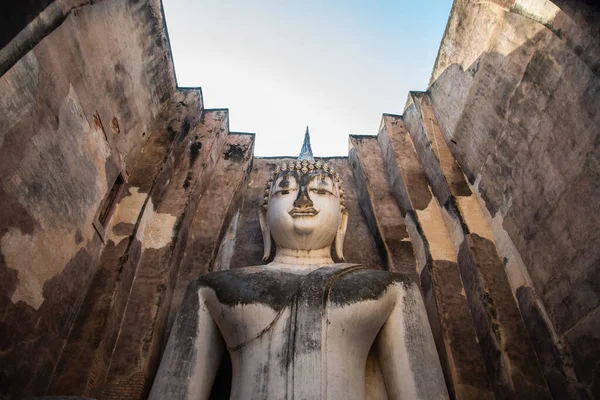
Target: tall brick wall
x=516, y=89
x=75, y=111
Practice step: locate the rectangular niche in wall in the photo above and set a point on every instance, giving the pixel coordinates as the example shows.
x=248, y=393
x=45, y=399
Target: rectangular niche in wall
x=108, y=206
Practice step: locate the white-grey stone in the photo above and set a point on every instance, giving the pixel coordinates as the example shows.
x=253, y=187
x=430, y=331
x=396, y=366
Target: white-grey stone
x=302, y=326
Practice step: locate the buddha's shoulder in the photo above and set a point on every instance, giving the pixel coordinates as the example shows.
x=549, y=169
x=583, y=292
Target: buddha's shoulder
x=369, y=275
x=367, y=284
x=264, y=276
x=273, y=286
x=250, y=285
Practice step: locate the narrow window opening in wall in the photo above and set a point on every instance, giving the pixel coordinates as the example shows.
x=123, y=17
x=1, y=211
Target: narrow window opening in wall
x=108, y=207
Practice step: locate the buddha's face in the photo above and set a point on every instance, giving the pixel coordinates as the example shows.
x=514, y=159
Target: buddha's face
x=304, y=211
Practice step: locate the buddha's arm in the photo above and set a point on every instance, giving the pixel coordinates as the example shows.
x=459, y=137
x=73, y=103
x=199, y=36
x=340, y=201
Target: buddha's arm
x=190, y=361
x=407, y=353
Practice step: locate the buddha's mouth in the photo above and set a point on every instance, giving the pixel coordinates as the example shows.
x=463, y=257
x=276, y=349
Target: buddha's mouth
x=303, y=212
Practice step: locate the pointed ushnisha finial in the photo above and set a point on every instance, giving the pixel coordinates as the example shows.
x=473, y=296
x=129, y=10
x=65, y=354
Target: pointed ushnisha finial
x=306, y=151
x=305, y=163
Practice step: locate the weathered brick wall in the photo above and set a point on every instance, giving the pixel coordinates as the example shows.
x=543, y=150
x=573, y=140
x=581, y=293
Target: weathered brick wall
x=74, y=112
x=88, y=353
x=484, y=191
x=516, y=88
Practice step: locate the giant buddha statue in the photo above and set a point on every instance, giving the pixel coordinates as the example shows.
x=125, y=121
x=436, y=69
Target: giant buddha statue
x=301, y=326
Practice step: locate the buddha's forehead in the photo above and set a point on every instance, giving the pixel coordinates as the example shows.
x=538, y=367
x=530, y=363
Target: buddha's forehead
x=304, y=173
x=304, y=178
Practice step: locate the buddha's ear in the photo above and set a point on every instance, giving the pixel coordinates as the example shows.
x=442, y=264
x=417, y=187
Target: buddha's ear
x=338, y=243
x=266, y=233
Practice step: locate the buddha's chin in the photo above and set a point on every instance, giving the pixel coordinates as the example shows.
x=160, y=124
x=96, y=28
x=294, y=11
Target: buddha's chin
x=305, y=225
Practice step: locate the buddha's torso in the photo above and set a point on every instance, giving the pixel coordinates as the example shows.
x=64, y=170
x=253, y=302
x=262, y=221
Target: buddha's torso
x=300, y=335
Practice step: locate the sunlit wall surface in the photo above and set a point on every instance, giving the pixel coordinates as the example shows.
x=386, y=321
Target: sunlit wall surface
x=278, y=66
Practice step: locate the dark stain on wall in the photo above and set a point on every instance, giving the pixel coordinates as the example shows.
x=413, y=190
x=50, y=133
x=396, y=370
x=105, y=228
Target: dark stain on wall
x=194, y=152
x=123, y=229
x=42, y=332
x=8, y=284
x=13, y=214
x=186, y=124
x=158, y=70
x=188, y=182
x=78, y=236
x=234, y=152
x=118, y=83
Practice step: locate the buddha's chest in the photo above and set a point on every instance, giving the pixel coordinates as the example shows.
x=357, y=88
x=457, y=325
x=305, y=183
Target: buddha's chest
x=302, y=314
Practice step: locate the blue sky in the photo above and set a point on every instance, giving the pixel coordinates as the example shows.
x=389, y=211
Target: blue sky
x=279, y=66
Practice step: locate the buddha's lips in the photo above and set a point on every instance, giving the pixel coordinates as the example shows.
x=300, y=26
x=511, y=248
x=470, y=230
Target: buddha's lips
x=303, y=212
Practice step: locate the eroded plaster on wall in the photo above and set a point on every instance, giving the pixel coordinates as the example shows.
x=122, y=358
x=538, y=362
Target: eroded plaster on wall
x=49, y=157
x=436, y=232
x=160, y=231
x=127, y=212
x=473, y=217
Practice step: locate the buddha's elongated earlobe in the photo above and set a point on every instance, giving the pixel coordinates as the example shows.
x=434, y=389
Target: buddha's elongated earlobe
x=266, y=233
x=338, y=243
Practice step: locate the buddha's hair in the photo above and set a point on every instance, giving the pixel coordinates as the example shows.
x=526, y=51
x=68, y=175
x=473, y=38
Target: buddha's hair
x=304, y=166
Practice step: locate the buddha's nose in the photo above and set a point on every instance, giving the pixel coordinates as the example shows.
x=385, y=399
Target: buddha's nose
x=303, y=201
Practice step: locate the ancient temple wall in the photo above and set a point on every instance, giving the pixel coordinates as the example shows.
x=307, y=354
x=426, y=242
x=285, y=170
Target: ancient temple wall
x=75, y=112
x=505, y=243
x=516, y=89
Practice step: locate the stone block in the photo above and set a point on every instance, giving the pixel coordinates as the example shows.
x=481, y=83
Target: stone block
x=508, y=352
x=137, y=350
x=443, y=292
x=402, y=165
x=216, y=208
x=455, y=336
x=552, y=353
x=379, y=205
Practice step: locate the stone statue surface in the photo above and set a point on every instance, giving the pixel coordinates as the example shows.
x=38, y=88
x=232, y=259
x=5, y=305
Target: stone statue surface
x=302, y=326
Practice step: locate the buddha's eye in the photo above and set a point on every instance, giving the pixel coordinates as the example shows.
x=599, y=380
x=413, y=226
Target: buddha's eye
x=321, y=185
x=320, y=191
x=283, y=191
x=285, y=186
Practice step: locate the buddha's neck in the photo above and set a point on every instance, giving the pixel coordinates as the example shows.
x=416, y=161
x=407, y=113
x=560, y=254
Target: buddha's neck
x=303, y=257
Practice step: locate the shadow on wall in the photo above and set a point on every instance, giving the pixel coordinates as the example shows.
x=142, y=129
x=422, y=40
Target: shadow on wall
x=16, y=15
x=58, y=157
x=523, y=127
